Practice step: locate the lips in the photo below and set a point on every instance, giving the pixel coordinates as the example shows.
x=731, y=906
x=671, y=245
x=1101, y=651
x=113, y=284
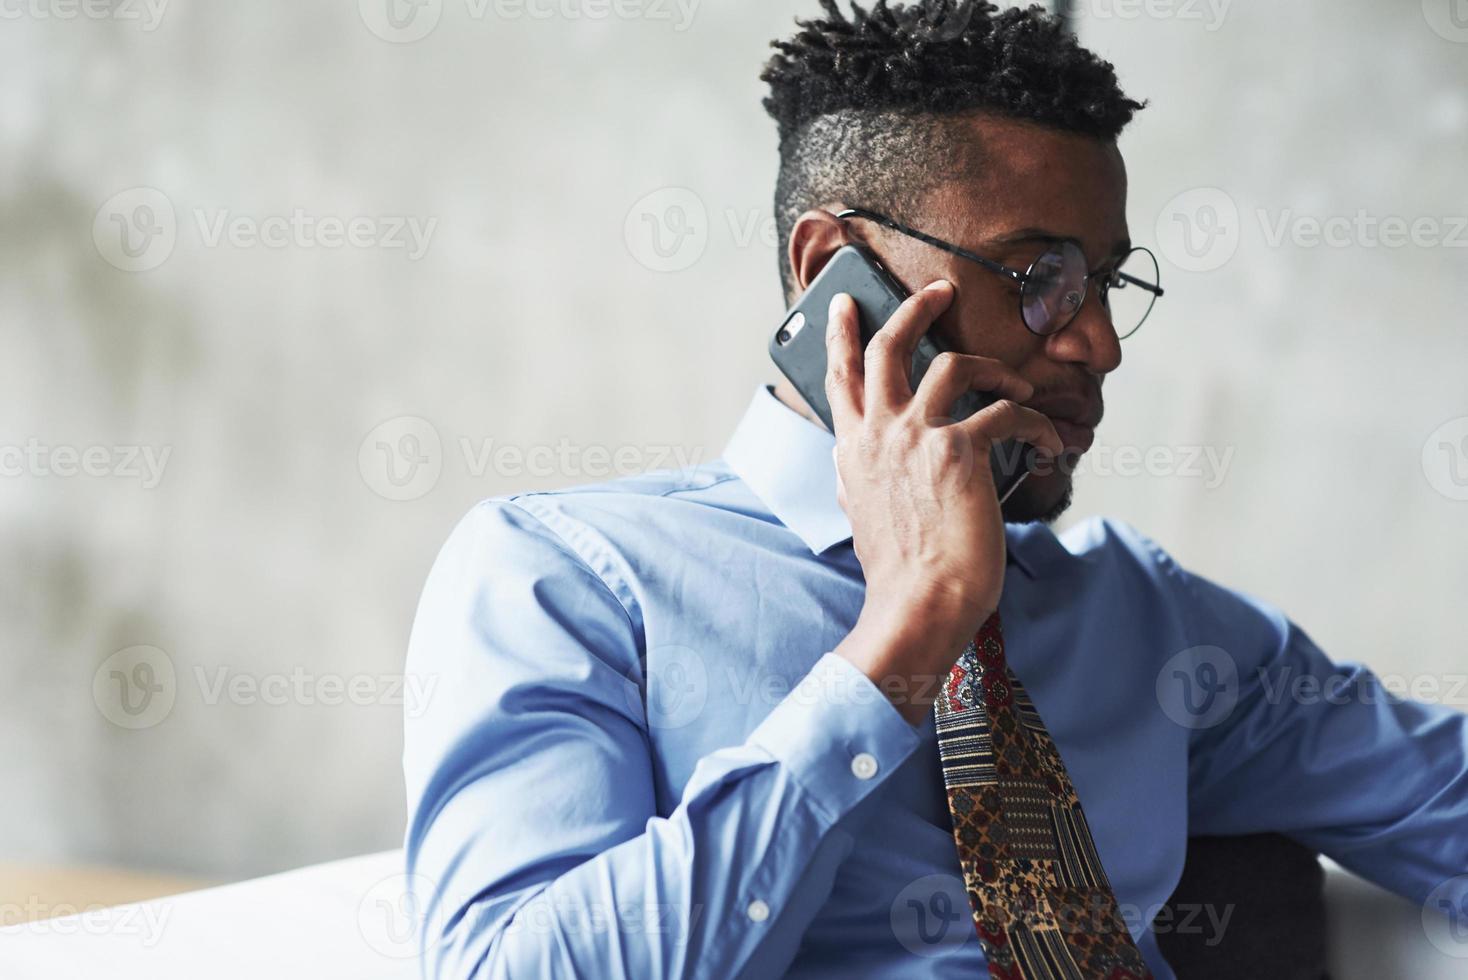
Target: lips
x=1075, y=416
x=1076, y=436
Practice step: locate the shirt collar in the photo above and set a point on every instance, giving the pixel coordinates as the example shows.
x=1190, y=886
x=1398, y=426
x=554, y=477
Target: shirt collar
x=786, y=461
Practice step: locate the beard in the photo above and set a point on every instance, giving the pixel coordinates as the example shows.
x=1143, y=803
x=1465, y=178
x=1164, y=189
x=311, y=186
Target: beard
x=1040, y=499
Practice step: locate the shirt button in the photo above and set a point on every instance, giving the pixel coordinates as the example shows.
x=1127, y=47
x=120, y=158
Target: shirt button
x=758, y=911
x=864, y=766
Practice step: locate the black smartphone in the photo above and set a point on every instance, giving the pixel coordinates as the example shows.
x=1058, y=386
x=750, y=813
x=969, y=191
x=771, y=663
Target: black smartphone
x=798, y=347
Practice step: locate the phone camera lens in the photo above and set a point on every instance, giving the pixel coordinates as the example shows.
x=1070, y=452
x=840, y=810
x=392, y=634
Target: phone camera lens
x=783, y=337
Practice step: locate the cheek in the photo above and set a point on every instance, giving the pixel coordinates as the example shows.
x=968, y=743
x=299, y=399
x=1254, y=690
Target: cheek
x=987, y=323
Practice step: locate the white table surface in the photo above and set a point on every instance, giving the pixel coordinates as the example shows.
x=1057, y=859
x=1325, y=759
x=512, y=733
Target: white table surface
x=350, y=919
x=346, y=919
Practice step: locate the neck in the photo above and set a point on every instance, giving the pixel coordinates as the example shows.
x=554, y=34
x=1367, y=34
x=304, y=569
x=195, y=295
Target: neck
x=787, y=394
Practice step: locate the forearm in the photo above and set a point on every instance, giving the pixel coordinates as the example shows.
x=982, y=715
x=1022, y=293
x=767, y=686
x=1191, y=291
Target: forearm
x=723, y=886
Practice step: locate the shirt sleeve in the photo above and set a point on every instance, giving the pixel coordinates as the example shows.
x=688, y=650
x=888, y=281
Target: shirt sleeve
x=1294, y=743
x=534, y=847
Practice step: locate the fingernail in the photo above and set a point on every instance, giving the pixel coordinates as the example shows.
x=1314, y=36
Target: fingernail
x=940, y=285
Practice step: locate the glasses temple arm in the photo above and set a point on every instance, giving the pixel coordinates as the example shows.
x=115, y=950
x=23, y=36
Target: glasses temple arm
x=1150, y=287
x=938, y=243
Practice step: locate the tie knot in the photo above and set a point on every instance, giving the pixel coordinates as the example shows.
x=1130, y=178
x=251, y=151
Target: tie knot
x=989, y=642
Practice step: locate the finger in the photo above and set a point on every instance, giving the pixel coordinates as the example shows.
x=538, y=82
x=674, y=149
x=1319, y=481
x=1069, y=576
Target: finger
x=843, y=362
x=1007, y=420
x=952, y=374
x=889, y=352
x=840, y=483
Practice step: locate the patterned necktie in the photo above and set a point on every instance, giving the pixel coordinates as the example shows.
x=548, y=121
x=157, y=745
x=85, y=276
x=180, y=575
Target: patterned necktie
x=1042, y=904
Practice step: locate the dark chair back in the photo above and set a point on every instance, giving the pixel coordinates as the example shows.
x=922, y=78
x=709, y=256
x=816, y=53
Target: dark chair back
x=1266, y=891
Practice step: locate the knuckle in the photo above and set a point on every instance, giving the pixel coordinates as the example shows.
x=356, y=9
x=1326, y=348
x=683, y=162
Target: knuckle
x=946, y=363
x=916, y=301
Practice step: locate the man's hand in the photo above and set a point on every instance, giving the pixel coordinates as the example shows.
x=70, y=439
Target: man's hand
x=919, y=492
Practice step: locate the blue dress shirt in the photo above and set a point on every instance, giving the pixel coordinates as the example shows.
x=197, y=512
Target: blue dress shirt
x=642, y=761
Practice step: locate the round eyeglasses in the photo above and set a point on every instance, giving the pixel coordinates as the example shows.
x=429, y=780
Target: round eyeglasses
x=1053, y=289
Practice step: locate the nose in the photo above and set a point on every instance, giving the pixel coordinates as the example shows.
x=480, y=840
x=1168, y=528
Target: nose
x=1088, y=340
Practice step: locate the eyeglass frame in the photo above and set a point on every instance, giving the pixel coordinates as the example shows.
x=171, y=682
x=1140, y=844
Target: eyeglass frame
x=1015, y=275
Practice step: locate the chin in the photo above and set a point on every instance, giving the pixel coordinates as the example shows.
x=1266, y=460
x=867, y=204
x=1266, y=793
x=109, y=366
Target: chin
x=1039, y=499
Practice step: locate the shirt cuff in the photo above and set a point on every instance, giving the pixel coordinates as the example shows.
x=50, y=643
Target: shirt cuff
x=838, y=734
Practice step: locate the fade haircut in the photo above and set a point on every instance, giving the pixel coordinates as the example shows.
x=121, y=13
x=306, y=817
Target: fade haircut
x=870, y=106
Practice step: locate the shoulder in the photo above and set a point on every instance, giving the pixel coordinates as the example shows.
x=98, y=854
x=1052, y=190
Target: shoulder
x=1203, y=609
x=697, y=483
x=593, y=520
x=601, y=530
x=1095, y=546
x=1116, y=543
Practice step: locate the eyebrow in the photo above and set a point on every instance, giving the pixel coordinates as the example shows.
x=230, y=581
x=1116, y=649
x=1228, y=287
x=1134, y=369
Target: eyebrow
x=1027, y=236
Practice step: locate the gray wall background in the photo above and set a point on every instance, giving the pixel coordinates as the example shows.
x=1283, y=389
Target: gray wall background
x=283, y=380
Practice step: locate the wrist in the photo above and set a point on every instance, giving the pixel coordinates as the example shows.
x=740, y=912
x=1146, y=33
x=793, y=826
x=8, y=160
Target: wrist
x=907, y=648
x=927, y=614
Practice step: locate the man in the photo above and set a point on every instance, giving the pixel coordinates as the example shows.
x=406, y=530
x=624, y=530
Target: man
x=820, y=708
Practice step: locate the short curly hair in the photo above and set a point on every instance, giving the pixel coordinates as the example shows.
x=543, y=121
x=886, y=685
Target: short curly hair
x=866, y=104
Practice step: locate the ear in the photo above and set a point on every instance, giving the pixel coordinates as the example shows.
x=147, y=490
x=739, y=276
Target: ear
x=817, y=235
